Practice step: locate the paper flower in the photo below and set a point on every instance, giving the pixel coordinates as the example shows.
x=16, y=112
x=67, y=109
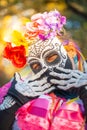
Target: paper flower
x=45, y=25
x=18, y=39
x=16, y=54
x=42, y=26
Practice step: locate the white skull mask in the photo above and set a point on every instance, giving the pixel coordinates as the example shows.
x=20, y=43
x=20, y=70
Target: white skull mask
x=49, y=53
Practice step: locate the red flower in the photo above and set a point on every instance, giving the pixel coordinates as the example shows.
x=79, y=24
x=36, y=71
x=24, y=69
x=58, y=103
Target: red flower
x=17, y=55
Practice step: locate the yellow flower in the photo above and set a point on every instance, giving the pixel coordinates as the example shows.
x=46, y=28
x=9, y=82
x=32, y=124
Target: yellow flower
x=18, y=39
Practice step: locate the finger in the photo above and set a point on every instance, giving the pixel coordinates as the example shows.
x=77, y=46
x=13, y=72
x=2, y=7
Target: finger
x=59, y=82
x=46, y=90
x=63, y=82
x=49, y=90
x=63, y=87
x=38, y=75
x=61, y=75
x=64, y=76
x=72, y=81
x=38, y=93
x=69, y=85
x=40, y=88
x=74, y=85
x=62, y=70
x=76, y=74
x=37, y=84
x=45, y=86
x=42, y=81
x=17, y=76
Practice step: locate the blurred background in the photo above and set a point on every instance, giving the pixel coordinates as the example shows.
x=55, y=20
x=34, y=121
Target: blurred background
x=14, y=13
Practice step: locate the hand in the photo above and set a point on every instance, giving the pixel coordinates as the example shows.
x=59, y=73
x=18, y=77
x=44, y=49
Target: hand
x=66, y=78
x=7, y=103
x=33, y=87
x=22, y=91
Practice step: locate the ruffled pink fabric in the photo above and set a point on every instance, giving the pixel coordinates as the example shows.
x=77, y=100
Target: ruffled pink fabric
x=4, y=90
x=29, y=118
x=68, y=117
x=52, y=114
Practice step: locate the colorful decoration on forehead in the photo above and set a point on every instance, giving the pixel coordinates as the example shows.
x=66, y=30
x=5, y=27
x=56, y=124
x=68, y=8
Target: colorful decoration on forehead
x=45, y=25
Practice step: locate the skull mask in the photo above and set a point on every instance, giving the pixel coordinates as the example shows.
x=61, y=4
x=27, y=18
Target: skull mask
x=49, y=53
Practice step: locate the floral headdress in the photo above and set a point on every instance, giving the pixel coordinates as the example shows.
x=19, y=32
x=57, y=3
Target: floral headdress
x=42, y=26
x=45, y=26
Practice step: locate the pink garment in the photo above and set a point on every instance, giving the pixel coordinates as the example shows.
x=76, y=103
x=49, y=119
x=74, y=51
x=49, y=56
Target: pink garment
x=50, y=113
x=4, y=90
x=68, y=117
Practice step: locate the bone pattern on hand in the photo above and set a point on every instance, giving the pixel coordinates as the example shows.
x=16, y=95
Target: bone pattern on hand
x=35, y=86
x=66, y=78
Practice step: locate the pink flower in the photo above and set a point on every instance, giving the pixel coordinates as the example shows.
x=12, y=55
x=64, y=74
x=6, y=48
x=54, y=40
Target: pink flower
x=45, y=25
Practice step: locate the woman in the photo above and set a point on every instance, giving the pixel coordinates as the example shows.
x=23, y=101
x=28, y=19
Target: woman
x=59, y=69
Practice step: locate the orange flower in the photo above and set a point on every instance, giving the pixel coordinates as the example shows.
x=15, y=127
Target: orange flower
x=17, y=55
x=33, y=34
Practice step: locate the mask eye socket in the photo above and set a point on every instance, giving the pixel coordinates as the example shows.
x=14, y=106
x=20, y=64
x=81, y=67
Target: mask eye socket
x=36, y=67
x=52, y=58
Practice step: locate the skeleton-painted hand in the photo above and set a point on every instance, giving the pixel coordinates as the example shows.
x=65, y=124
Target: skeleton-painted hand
x=22, y=91
x=32, y=87
x=66, y=78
